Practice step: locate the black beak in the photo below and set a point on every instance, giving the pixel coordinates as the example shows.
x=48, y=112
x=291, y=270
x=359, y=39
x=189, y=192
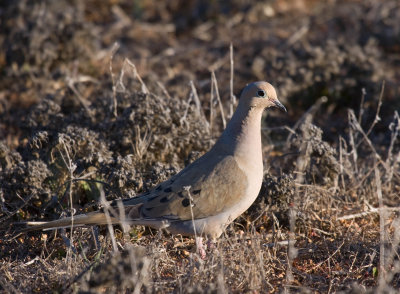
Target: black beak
x=280, y=105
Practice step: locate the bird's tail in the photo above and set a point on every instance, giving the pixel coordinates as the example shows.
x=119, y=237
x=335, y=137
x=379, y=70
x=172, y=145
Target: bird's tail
x=92, y=218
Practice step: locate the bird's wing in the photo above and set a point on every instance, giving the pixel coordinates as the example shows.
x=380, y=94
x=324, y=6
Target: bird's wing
x=215, y=184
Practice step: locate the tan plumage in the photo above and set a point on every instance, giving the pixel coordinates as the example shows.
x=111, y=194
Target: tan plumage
x=212, y=191
x=171, y=200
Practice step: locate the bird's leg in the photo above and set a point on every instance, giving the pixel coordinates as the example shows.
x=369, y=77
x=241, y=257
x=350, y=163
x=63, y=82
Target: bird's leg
x=200, y=248
x=211, y=245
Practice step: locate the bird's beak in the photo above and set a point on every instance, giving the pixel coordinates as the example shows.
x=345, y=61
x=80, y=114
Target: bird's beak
x=280, y=105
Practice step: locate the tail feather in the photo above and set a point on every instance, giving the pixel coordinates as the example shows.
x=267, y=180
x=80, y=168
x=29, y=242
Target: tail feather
x=92, y=218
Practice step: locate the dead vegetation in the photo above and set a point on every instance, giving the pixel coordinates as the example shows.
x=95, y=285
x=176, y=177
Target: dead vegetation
x=81, y=117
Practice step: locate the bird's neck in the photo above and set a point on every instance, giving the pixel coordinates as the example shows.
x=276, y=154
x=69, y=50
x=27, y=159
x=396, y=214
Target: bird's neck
x=242, y=136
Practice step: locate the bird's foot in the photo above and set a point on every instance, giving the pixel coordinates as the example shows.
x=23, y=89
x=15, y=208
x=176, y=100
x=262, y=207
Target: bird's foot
x=200, y=248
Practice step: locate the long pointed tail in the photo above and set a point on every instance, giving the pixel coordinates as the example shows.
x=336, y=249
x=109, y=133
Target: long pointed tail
x=92, y=218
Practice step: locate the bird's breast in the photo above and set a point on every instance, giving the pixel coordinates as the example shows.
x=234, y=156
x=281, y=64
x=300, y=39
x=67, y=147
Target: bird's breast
x=254, y=170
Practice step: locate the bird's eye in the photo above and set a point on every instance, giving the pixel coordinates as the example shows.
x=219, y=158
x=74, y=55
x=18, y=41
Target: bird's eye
x=261, y=93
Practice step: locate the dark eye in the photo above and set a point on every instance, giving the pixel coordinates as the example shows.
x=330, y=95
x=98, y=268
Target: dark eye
x=261, y=93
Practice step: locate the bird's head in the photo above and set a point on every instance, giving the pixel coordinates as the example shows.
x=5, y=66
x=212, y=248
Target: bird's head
x=261, y=95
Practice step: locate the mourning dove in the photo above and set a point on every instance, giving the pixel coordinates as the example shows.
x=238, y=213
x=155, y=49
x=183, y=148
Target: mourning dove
x=207, y=195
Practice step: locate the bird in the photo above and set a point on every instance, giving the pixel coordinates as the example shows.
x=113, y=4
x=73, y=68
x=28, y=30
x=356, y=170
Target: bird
x=208, y=194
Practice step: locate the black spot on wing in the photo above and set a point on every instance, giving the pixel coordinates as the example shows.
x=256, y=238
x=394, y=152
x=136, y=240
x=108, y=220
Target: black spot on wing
x=149, y=208
x=164, y=199
x=185, y=202
x=168, y=190
x=195, y=192
x=180, y=194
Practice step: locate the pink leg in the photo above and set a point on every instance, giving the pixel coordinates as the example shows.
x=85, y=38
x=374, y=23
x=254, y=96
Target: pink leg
x=200, y=248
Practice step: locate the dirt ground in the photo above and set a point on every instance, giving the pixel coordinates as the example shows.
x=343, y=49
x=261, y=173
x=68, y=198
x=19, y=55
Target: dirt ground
x=117, y=96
